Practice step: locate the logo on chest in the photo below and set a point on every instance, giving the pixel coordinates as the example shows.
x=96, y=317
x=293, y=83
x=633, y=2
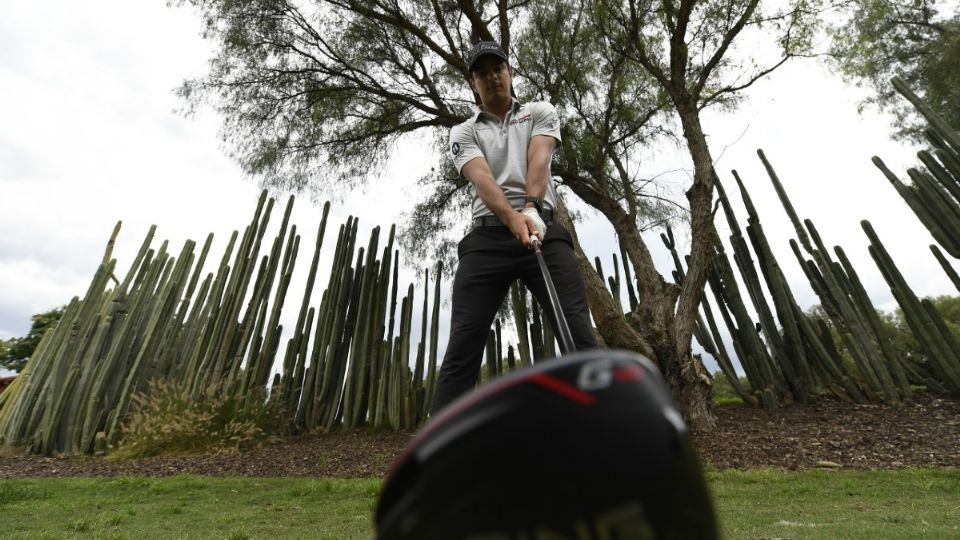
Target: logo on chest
x=522, y=119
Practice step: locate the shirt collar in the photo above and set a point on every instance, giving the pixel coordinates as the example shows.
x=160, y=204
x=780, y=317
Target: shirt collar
x=514, y=107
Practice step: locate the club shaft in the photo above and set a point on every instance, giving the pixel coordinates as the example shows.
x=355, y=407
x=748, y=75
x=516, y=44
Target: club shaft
x=563, y=330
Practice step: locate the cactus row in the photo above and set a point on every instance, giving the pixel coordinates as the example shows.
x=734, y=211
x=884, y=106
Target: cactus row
x=168, y=320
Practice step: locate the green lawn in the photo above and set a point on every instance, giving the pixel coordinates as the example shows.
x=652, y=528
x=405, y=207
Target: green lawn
x=838, y=504
x=187, y=507
x=751, y=504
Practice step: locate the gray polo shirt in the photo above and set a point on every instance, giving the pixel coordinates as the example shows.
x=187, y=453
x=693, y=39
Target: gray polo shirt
x=504, y=146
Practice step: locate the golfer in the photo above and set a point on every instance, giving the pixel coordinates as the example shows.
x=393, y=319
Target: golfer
x=505, y=151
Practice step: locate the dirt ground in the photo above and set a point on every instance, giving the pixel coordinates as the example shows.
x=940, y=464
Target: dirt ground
x=828, y=434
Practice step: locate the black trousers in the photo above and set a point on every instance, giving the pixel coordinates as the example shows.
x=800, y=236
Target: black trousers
x=490, y=260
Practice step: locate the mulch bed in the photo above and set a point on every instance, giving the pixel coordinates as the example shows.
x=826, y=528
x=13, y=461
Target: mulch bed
x=829, y=434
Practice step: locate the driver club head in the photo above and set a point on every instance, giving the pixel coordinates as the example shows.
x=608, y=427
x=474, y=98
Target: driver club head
x=588, y=446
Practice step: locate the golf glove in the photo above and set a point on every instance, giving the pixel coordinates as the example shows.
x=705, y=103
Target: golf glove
x=537, y=221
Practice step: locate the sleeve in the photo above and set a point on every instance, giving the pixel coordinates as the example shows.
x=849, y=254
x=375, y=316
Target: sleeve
x=463, y=146
x=546, y=121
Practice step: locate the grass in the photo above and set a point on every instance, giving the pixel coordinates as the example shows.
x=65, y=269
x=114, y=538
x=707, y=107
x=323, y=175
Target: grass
x=913, y=503
x=751, y=504
x=187, y=507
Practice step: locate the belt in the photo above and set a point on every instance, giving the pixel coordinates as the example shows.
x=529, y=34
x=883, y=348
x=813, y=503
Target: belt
x=494, y=221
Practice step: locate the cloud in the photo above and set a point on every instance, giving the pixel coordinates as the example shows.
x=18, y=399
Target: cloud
x=32, y=286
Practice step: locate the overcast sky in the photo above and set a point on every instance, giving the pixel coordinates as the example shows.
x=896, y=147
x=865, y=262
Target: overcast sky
x=89, y=136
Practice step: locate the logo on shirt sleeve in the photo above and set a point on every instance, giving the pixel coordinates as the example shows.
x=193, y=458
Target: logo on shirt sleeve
x=455, y=148
x=553, y=122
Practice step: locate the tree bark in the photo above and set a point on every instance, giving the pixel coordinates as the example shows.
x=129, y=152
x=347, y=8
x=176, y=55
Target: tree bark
x=611, y=323
x=687, y=375
x=650, y=329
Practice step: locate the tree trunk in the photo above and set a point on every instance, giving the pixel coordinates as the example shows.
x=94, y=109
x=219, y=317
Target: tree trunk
x=611, y=323
x=692, y=382
x=648, y=330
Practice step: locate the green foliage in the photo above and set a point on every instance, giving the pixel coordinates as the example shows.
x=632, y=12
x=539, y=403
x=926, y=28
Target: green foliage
x=694, y=51
x=168, y=419
x=15, y=352
x=320, y=91
x=916, y=40
x=903, y=340
x=900, y=337
x=723, y=391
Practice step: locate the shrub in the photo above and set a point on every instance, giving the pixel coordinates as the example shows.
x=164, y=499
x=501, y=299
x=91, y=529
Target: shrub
x=723, y=391
x=168, y=419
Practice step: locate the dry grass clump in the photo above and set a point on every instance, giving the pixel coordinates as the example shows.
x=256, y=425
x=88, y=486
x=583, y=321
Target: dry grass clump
x=168, y=419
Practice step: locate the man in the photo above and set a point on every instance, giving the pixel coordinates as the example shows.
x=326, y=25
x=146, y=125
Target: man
x=505, y=152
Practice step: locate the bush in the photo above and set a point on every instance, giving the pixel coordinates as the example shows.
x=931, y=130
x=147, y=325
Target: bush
x=167, y=419
x=723, y=391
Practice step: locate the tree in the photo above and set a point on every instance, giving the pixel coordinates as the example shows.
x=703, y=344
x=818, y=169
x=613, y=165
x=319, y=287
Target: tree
x=690, y=52
x=911, y=39
x=15, y=352
x=314, y=96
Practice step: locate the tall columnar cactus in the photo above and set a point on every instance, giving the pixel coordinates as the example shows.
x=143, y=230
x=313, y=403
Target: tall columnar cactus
x=418, y=388
x=801, y=373
x=786, y=371
x=490, y=353
x=891, y=371
x=355, y=391
x=832, y=285
x=434, y=338
x=536, y=333
x=706, y=332
x=947, y=267
x=925, y=322
x=935, y=194
x=926, y=215
x=295, y=358
x=750, y=349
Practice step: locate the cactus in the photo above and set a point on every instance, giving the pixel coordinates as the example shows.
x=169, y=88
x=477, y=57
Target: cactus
x=169, y=318
x=947, y=267
x=784, y=371
x=434, y=339
x=627, y=278
x=832, y=285
x=707, y=333
x=925, y=322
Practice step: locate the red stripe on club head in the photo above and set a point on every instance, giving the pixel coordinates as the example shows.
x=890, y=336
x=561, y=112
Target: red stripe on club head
x=628, y=373
x=564, y=389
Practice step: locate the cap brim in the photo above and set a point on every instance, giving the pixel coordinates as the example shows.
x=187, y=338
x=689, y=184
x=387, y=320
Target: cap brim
x=487, y=53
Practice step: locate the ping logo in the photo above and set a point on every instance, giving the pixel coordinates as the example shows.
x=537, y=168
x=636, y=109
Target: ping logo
x=521, y=119
x=455, y=149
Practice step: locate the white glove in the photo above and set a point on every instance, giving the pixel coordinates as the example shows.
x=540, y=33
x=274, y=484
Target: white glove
x=537, y=221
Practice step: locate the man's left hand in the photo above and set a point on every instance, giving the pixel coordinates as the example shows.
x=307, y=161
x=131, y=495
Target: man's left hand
x=534, y=216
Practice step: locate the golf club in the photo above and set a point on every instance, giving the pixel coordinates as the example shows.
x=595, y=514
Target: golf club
x=563, y=329
x=588, y=446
